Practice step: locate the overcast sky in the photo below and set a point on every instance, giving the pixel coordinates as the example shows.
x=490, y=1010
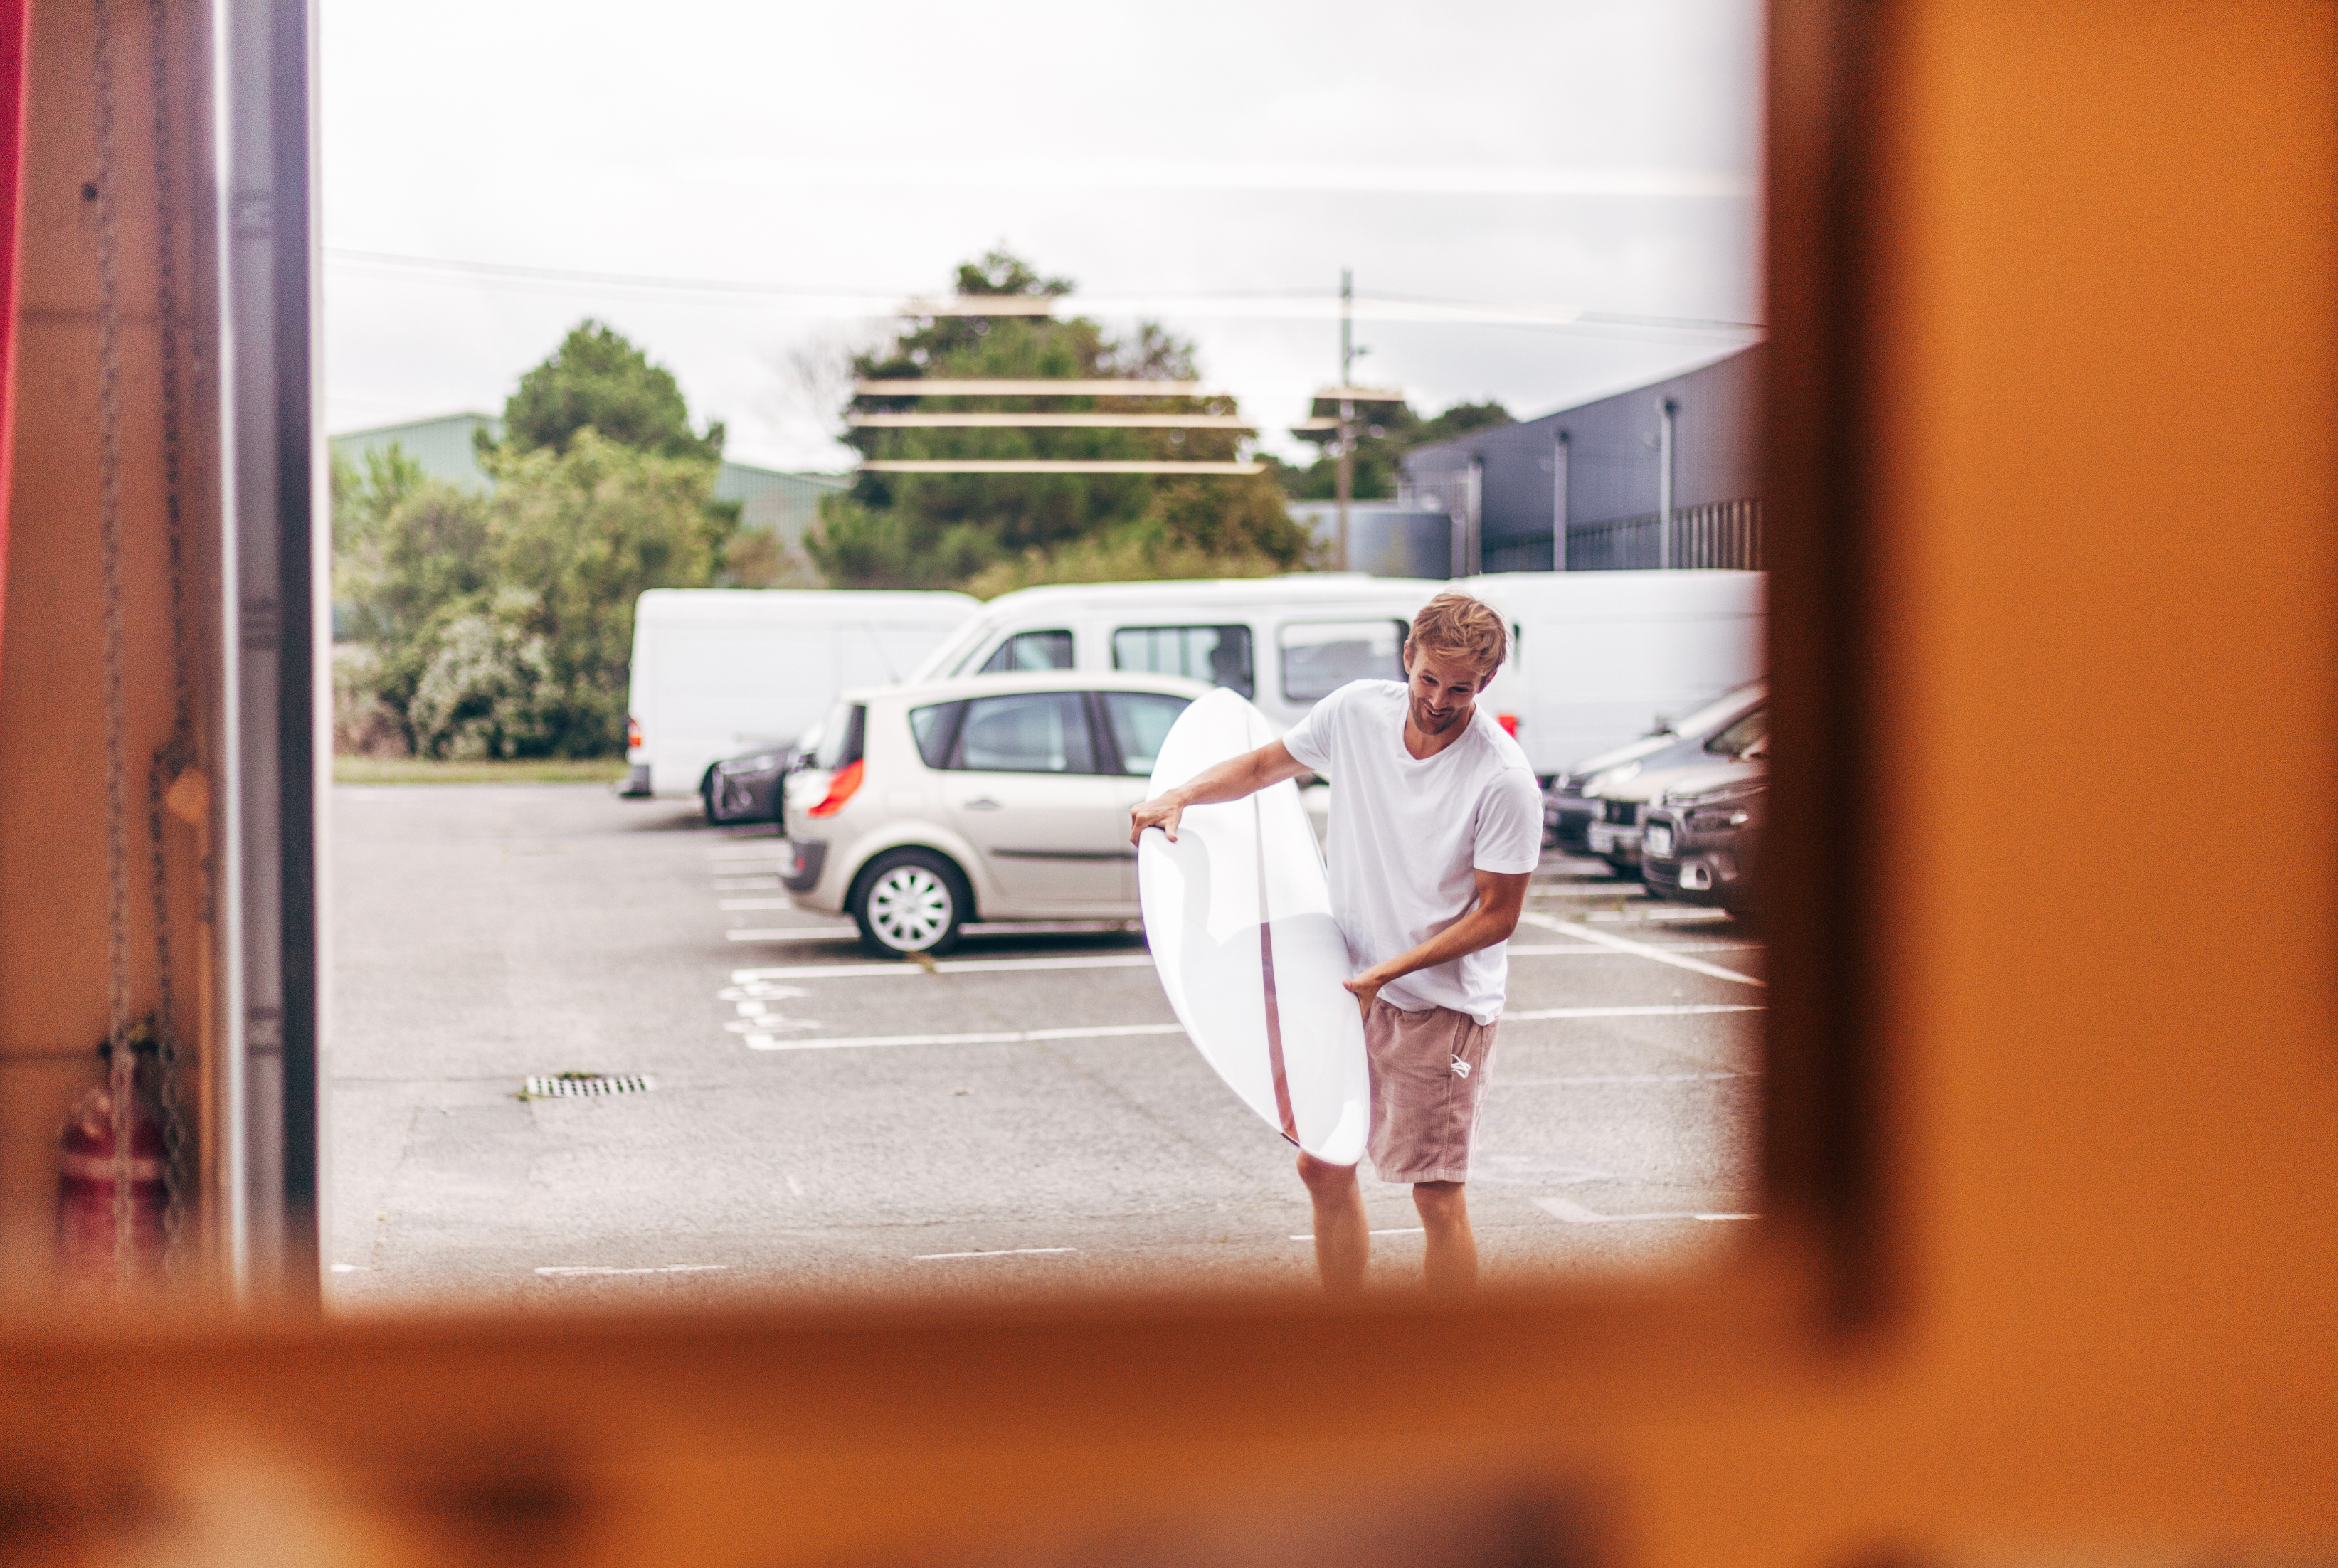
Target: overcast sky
x=1211, y=164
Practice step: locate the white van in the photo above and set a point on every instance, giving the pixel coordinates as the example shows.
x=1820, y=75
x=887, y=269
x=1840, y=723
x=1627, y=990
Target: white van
x=717, y=671
x=1281, y=642
x=1602, y=657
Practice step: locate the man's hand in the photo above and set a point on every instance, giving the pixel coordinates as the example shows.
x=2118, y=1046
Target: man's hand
x=1163, y=811
x=1367, y=988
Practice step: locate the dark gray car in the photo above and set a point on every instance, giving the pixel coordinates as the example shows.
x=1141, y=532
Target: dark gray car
x=747, y=788
x=1611, y=789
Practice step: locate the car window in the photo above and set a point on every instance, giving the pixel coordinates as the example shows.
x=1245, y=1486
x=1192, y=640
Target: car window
x=1218, y=654
x=1743, y=737
x=1030, y=651
x=936, y=729
x=1029, y=732
x=1140, y=721
x=1318, y=657
x=840, y=735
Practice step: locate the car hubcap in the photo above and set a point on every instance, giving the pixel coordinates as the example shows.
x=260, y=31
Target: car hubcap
x=909, y=908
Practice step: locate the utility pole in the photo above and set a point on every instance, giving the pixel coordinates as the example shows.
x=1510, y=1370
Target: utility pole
x=1347, y=464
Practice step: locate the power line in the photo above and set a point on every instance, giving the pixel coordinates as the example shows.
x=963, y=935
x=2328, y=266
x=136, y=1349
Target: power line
x=1273, y=303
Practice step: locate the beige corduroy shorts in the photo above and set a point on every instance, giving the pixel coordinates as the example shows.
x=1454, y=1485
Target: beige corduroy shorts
x=1429, y=1078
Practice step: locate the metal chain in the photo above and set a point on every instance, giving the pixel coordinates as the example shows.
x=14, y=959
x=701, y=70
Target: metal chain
x=122, y=1061
x=178, y=753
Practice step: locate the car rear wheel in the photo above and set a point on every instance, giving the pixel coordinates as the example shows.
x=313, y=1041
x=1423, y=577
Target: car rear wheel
x=911, y=901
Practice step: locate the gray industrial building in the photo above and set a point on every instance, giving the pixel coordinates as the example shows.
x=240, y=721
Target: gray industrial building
x=781, y=503
x=1663, y=476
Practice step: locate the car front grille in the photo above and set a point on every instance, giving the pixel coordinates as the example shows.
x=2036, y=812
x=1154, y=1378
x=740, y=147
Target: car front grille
x=1623, y=813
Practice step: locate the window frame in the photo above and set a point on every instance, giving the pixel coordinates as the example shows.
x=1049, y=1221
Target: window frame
x=1813, y=1272
x=957, y=753
x=1248, y=692
x=1100, y=718
x=1283, y=651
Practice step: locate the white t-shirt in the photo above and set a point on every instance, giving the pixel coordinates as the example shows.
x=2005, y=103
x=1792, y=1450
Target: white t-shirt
x=1407, y=832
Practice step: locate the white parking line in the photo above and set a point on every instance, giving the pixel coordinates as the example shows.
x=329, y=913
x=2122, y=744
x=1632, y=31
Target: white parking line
x=1133, y=960
x=1620, y=1078
x=755, y=903
x=745, y=884
x=997, y=1037
x=1640, y=949
x=995, y=1253
x=751, y=856
x=836, y=932
x=1118, y=1031
x=1589, y=890
x=799, y=933
x=1403, y=1230
x=1576, y=1214
x=1677, y=1010
x=945, y=967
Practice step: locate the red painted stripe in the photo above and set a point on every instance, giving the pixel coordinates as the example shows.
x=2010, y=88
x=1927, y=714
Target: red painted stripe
x=1273, y=1005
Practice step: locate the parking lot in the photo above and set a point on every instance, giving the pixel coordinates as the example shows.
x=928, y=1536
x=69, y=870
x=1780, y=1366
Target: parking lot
x=1023, y=1115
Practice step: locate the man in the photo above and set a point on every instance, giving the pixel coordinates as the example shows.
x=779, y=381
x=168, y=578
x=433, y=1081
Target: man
x=1436, y=828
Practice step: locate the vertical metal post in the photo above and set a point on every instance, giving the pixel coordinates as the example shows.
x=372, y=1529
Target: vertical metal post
x=1559, y=454
x=1345, y=482
x=263, y=68
x=1473, y=510
x=1665, y=447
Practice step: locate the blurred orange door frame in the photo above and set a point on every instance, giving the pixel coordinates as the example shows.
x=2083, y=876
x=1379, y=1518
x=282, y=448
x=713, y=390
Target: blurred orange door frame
x=14, y=14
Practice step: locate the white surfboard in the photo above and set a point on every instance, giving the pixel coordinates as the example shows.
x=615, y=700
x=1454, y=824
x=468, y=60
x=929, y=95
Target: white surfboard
x=1238, y=911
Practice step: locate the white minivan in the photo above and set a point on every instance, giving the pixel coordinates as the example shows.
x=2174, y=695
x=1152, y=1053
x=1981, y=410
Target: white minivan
x=1599, y=656
x=1604, y=657
x=1281, y=642
x=717, y=671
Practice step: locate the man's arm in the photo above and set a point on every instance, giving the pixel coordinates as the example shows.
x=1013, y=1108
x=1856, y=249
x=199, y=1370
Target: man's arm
x=1230, y=781
x=1501, y=898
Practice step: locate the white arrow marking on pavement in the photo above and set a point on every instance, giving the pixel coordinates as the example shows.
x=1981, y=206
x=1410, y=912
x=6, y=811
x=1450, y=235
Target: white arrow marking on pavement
x=996, y=1252
x=1638, y=949
x=1576, y=1214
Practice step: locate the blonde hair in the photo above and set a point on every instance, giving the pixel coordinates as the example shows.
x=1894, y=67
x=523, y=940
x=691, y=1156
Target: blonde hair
x=1456, y=623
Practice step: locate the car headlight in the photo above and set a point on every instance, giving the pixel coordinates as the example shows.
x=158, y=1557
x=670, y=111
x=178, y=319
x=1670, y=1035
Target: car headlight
x=1719, y=820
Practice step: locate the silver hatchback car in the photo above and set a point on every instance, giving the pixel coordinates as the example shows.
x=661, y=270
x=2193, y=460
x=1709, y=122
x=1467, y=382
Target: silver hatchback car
x=1003, y=797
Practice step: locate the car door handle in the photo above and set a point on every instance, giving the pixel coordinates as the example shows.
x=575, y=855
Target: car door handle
x=985, y=804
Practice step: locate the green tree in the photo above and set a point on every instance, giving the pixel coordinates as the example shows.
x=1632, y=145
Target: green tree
x=581, y=534
x=1384, y=435
x=598, y=379
x=944, y=530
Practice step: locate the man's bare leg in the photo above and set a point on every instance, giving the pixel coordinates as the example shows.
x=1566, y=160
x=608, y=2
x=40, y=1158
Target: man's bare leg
x=1452, y=1260
x=1343, y=1238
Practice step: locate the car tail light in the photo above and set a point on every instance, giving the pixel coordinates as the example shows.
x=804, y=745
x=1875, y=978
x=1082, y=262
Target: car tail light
x=840, y=790
x=632, y=732
x=1509, y=723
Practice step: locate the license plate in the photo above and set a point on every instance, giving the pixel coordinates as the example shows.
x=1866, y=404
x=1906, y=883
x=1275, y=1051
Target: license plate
x=1656, y=839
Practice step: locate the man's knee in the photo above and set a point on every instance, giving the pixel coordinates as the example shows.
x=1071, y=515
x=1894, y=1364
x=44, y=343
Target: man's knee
x=1324, y=1179
x=1440, y=1200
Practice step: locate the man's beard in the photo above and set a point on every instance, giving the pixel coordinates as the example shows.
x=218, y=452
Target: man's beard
x=1429, y=723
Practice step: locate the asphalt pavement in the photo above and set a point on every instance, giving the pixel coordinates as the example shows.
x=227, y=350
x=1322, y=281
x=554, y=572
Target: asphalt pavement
x=797, y=1120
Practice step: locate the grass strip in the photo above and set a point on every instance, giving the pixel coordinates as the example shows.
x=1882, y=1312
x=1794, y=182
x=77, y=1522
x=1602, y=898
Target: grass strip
x=428, y=771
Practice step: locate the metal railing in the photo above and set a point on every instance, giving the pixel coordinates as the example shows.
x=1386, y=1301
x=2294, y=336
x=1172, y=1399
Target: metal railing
x=1723, y=534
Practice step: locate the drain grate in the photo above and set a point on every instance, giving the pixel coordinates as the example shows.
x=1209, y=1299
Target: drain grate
x=567, y=1085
